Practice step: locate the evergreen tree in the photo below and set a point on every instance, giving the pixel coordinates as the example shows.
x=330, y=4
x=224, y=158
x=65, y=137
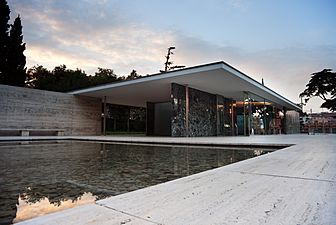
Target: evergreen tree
x=16, y=72
x=4, y=27
x=12, y=59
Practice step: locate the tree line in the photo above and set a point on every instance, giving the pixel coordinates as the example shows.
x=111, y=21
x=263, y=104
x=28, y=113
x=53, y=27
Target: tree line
x=62, y=79
x=13, y=69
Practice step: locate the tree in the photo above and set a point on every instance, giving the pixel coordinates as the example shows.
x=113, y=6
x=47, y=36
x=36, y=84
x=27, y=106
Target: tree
x=133, y=75
x=37, y=77
x=4, y=27
x=12, y=59
x=322, y=84
x=103, y=76
x=63, y=80
x=169, y=64
x=59, y=79
x=67, y=79
x=16, y=60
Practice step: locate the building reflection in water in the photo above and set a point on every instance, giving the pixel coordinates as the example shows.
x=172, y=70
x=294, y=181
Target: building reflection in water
x=50, y=175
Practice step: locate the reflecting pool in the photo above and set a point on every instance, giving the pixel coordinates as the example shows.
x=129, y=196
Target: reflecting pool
x=41, y=177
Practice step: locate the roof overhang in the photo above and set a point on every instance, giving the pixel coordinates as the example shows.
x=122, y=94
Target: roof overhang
x=216, y=78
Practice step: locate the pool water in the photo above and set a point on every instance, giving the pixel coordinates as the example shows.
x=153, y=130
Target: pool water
x=43, y=177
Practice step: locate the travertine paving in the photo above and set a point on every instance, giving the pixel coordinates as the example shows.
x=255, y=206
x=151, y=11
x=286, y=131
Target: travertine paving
x=295, y=185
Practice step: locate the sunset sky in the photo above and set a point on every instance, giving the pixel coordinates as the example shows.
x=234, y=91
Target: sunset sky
x=281, y=41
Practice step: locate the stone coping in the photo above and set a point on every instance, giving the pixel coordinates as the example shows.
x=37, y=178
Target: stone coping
x=295, y=185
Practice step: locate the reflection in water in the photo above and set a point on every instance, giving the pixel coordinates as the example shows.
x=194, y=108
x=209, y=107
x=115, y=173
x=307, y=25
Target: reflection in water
x=64, y=171
x=27, y=210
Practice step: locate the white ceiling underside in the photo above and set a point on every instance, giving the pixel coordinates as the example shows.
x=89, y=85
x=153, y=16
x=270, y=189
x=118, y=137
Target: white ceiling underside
x=218, y=78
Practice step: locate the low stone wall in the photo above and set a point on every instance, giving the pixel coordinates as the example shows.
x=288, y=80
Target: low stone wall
x=24, y=108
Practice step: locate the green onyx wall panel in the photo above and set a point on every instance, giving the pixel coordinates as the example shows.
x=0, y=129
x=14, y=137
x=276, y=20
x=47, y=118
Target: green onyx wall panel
x=202, y=113
x=178, y=115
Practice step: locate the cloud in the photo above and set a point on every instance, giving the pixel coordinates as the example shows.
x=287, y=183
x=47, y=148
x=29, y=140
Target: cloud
x=238, y=4
x=286, y=70
x=89, y=34
x=58, y=32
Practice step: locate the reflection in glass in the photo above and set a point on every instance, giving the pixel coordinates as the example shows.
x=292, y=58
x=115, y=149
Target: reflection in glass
x=256, y=115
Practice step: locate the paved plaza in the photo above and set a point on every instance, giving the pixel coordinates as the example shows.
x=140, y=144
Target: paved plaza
x=294, y=185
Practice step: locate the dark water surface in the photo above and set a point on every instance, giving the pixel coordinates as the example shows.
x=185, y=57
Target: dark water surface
x=42, y=177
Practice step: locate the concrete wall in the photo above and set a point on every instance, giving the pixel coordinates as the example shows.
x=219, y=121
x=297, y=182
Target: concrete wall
x=37, y=109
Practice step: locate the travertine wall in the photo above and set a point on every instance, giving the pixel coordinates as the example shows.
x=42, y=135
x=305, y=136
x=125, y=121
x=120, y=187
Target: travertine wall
x=36, y=109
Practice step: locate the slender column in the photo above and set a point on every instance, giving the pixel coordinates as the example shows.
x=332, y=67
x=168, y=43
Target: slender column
x=187, y=109
x=264, y=116
x=244, y=116
x=104, y=117
x=249, y=116
x=232, y=120
x=274, y=118
x=217, y=116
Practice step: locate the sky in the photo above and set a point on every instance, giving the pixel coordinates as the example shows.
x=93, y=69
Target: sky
x=283, y=42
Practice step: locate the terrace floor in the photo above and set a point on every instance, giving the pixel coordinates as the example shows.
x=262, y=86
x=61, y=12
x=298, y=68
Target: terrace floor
x=294, y=185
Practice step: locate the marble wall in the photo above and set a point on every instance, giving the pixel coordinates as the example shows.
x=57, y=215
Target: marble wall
x=211, y=115
x=178, y=115
x=202, y=112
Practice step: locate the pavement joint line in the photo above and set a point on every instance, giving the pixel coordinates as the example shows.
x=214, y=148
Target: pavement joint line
x=283, y=176
x=129, y=214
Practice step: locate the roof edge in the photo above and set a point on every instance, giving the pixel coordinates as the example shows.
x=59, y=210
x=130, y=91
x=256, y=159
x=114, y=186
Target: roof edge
x=140, y=79
x=220, y=64
x=260, y=85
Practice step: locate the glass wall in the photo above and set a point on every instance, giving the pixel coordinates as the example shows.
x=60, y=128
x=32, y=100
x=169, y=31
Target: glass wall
x=256, y=115
x=121, y=118
x=225, y=117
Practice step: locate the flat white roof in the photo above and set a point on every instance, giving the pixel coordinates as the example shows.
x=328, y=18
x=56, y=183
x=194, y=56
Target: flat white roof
x=216, y=78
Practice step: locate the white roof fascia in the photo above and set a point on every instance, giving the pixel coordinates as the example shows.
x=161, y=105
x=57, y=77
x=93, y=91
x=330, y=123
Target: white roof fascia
x=257, y=84
x=187, y=71
x=150, y=78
